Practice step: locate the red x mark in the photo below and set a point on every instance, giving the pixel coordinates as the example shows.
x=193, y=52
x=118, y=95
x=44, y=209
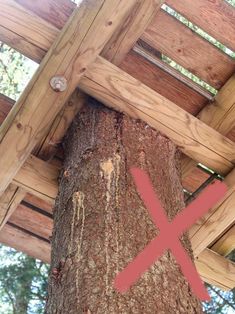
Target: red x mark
x=169, y=234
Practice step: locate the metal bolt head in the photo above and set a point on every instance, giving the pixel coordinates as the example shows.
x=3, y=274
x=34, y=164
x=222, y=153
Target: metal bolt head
x=58, y=83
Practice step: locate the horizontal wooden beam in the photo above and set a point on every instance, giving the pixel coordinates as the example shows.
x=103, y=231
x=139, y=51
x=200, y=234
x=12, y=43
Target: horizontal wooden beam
x=216, y=270
x=226, y=244
x=221, y=274
x=26, y=243
x=118, y=90
x=9, y=201
x=38, y=178
x=210, y=227
x=76, y=47
x=214, y=17
x=34, y=221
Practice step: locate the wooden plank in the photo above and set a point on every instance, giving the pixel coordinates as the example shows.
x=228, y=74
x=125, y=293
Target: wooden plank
x=188, y=49
x=118, y=90
x=220, y=115
x=76, y=47
x=48, y=146
x=216, y=17
x=163, y=83
x=216, y=270
x=5, y=106
x=195, y=180
x=38, y=178
x=56, y=12
x=32, y=221
x=16, y=19
x=226, y=244
x=38, y=202
x=26, y=243
x=124, y=39
x=9, y=201
x=209, y=228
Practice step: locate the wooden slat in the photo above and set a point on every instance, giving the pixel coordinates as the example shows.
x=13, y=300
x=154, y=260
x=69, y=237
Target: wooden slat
x=5, y=106
x=9, y=201
x=125, y=37
x=226, y=244
x=17, y=20
x=196, y=178
x=26, y=243
x=118, y=90
x=38, y=202
x=75, y=48
x=56, y=12
x=48, y=146
x=163, y=83
x=218, y=219
x=188, y=49
x=216, y=17
x=220, y=115
x=39, y=178
x=32, y=221
x=216, y=270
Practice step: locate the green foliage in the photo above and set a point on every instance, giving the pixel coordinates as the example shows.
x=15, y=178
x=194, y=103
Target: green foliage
x=23, y=283
x=15, y=71
x=232, y=2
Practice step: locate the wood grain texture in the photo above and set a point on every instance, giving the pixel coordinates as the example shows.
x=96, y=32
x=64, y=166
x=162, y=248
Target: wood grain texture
x=117, y=89
x=127, y=35
x=216, y=270
x=26, y=243
x=76, y=47
x=48, y=146
x=163, y=83
x=9, y=201
x=188, y=49
x=32, y=221
x=5, y=106
x=17, y=20
x=39, y=178
x=209, y=228
x=226, y=244
x=216, y=17
x=55, y=12
x=38, y=202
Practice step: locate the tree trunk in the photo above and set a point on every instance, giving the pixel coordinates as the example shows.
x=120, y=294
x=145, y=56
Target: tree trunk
x=101, y=224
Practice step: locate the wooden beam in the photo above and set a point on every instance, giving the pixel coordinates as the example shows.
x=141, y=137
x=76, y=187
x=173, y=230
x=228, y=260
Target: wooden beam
x=214, y=17
x=76, y=47
x=24, y=242
x=226, y=244
x=115, y=50
x=5, y=106
x=118, y=90
x=32, y=221
x=125, y=38
x=38, y=178
x=209, y=228
x=221, y=274
x=216, y=270
x=163, y=83
x=220, y=115
x=14, y=19
x=175, y=40
x=9, y=201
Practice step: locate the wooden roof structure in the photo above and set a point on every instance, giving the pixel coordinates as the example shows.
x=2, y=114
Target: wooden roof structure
x=111, y=50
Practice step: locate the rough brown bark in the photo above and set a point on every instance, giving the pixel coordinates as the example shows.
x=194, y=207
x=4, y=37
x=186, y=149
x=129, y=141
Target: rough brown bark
x=100, y=222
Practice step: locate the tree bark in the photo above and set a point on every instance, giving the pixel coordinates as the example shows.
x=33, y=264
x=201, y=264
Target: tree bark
x=101, y=224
